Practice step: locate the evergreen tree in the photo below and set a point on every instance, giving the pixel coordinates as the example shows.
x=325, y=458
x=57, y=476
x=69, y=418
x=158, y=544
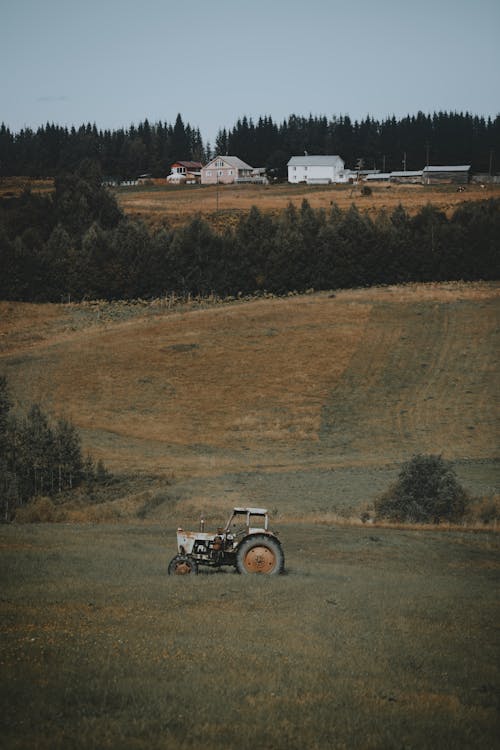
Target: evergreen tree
x=181, y=141
x=68, y=454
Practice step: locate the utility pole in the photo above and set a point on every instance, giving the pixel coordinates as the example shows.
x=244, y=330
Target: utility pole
x=359, y=166
x=383, y=163
x=404, y=161
x=490, y=167
x=427, y=148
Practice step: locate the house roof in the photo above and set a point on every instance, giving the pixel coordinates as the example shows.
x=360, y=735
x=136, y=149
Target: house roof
x=232, y=161
x=315, y=161
x=453, y=168
x=188, y=164
x=407, y=173
x=378, y=176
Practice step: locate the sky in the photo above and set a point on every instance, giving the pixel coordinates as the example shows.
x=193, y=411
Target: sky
x=117, y=62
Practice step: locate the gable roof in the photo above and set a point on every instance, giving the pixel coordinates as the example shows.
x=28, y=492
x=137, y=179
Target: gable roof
x=315, y=161
x=407, y=173
x=188, y=164
x=232, y=161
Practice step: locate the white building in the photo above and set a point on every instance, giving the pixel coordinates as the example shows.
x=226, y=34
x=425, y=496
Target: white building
x=316, y=170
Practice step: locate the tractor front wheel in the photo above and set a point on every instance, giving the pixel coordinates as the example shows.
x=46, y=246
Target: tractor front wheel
x=181, y=565
x=260, y=554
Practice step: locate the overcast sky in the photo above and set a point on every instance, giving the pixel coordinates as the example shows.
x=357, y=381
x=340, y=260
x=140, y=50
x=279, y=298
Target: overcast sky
x=117, y=62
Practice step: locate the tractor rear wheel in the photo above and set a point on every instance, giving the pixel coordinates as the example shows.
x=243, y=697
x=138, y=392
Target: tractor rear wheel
x=181, y=565
x=260, y=554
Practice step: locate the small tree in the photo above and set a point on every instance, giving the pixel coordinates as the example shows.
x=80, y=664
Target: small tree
x=426, y=491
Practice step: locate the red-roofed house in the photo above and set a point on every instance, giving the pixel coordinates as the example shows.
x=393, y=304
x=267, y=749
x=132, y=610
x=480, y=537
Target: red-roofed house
x=185, y=172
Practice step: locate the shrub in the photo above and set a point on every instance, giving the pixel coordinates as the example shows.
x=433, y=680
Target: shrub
x=366, y=190
x=41, y=510
x=486, y=510
x=426, y=491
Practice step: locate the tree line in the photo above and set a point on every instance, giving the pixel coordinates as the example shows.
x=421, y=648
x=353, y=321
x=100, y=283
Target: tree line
x=121, y=154
x=78, y=244
x=387, y=145
x=390, y=144
x=39, y=456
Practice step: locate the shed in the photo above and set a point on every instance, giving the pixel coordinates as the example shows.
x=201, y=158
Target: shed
x=407, y=176
x=378, y=177
x=454, y=174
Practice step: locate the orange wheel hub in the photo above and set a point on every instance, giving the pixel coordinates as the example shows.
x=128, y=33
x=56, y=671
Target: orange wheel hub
x=259, y=560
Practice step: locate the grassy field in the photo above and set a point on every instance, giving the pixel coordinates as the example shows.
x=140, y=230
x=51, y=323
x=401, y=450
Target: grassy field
x=377, y=637
x=360, y=378
x=222, y=206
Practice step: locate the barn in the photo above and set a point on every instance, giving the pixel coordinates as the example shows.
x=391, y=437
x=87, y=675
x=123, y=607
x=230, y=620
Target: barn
x=455, y=174
x=315, y=170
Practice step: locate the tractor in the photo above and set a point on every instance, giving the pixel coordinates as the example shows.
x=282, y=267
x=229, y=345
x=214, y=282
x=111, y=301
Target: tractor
x=245, y=543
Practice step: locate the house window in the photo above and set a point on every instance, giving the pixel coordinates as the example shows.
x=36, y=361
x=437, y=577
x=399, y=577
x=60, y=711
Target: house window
x=209, y=173
x=230, y=171
x=219, y=163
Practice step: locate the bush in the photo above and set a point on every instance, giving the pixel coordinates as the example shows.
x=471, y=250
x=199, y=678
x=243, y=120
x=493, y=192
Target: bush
x=426, y=491
x=486, y=510
x=41, y=510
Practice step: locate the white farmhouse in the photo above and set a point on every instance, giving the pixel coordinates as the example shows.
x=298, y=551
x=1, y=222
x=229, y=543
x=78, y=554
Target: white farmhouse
x=316, y=170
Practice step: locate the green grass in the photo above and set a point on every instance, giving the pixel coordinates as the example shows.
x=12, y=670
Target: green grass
x=374, y=638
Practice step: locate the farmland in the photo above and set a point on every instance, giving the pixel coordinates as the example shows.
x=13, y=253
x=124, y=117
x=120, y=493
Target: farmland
x=377, y=637
x=158, y=204
x=223, y=205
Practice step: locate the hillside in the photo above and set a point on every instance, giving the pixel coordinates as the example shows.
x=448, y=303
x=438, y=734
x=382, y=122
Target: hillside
x=270, y=398
x=223, y=205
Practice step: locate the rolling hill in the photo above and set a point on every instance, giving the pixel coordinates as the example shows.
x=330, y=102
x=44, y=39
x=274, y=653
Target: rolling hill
x=306, y=402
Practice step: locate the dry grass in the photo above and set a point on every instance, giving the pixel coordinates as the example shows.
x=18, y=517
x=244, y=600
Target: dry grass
x=377, y=637
x=160, y=203
x=362, y=378
x=176, y=205
x=14, y=186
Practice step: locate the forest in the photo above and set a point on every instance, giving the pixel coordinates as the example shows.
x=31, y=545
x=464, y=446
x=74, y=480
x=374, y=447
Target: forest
x=76, y=243
x=391, y=144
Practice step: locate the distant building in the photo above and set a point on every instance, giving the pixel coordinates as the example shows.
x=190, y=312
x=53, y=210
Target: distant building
x=316, y=170
x=458, y=175
x=259, y=175
x=226, y=170
x=379, y=177
x=407, y=177
x=145, y=179
x=184, y=172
